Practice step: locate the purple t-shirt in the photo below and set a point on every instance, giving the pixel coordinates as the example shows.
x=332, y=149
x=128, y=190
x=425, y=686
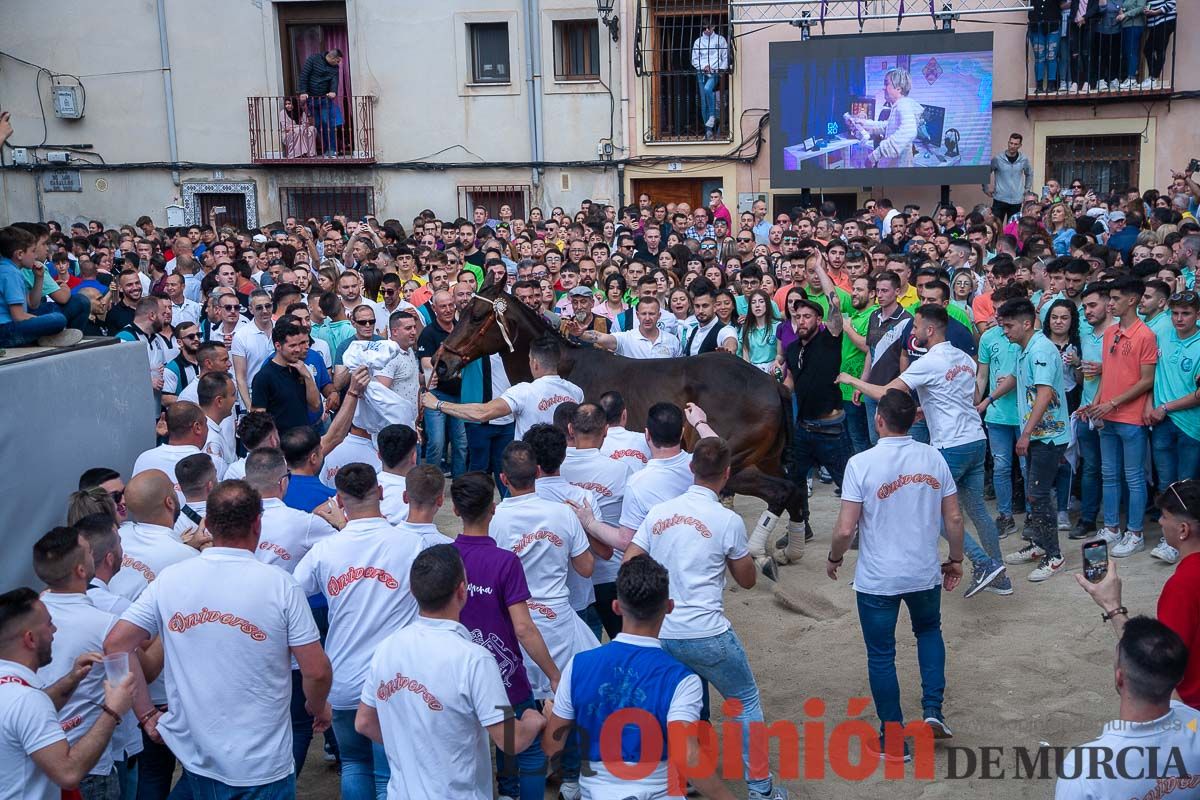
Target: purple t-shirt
x=786, y=334
x=495, y=580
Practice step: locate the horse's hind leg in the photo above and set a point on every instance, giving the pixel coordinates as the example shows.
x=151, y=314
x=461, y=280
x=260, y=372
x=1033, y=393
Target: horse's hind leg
x=776, y=492
x=791, y=545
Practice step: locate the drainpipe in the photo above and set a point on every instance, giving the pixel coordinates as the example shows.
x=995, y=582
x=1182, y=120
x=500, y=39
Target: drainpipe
x=533, y=79
x=168, y=88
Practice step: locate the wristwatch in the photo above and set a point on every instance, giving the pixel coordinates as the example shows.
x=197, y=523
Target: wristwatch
x=1118, y=610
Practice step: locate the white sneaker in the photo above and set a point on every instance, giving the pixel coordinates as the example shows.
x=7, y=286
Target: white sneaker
x=1026, y=555
x=1064, y=521
x=1110, y=535
x=1047, y=569
x=1102, y=86
x=569, y=790
x=1073, y=88
x=1126, y=84
x=711, y=122
x=1130, y=543
x=1164, y=552
x=1148, y=83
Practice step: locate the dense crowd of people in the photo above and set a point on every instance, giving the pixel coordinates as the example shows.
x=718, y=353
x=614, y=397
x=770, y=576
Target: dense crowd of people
x=1042, y=352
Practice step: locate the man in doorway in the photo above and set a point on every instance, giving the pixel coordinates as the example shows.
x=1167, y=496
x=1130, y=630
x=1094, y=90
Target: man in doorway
x=319, y=87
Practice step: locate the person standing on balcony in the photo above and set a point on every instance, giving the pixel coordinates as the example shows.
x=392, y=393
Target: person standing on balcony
x=710, y=57
x=319, y=84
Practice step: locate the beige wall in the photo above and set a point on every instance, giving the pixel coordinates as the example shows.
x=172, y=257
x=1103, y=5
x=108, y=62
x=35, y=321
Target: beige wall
x=411, y=56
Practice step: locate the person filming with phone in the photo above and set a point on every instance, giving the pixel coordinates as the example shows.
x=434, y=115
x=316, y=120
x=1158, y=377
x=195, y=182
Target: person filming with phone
x=1179, y=603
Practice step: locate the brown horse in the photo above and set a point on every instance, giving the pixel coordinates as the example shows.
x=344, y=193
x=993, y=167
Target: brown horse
x=750, y=410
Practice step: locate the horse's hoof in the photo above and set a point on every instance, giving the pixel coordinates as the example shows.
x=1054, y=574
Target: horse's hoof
x=768, y=568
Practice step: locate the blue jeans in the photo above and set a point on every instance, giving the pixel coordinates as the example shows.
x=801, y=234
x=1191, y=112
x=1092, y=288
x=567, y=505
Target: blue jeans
x=47, y=320
x=1003, y=440
x=208, y=789
x=77, y=309
x=591, y=618
x=856, y=427
x=526, y=778
x=302, y=722
x=966, y=466
x=101, y=787
x=485, y=445
x=721, y=661
x=1176, y=455
x=1123, y=455
x=878, y=614
x=438, y=428
x=1043, y=38
x=920, y=431
x=819, y=442
x=325, y=118
x=869, y=408
x=365, y=770
x=708, y=97
x=156, y=770
x=1131, y=45
x=1088, y=441
x=127, y=773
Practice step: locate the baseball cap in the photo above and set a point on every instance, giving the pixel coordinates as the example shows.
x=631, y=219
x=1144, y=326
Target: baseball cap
x=1115, y=215
x=260, y=238
x=580, y=291
x=1096, y=213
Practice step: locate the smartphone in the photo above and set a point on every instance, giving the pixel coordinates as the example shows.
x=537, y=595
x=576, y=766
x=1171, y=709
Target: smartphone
x=1095, y=560
x=218, y=209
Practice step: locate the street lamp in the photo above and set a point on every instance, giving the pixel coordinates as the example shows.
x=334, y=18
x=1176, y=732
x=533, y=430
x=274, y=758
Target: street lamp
x=611, y=21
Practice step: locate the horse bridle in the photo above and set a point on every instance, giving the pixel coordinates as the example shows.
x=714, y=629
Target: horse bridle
x=499, y=306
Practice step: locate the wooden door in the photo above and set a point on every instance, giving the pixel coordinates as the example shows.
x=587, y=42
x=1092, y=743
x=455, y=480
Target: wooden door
x=234, y=205
x=670, y=190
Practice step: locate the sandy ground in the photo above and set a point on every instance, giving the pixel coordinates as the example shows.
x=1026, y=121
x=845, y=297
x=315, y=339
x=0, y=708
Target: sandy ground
x=1032, y=667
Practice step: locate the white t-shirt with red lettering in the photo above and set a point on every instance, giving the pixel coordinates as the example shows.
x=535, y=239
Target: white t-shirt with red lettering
x=435, y=692
x=535, y=401
x=363, y=573
x=663, y=479
x=590, y=469
x=28, y=723
x=556, y=489
x=629, y=447
x=353, y=449
x=944, y=380
x=228, y=623
x=288, y=534
x=693, y=536
x=900, y=483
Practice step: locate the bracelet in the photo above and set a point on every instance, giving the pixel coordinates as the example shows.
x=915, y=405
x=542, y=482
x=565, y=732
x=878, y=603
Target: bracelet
x=142, y=719
x=108, y=711
x=1119, y=610
x=354, y=395
x=438, y=407
x=829, y=558
x=954, y=560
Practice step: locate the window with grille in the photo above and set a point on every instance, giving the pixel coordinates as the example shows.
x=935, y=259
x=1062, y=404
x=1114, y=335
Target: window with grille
x=1105, y=164
x=576, y=50
x=674, y=41
x=491, y=198
x=489, y=52
x=304, y=202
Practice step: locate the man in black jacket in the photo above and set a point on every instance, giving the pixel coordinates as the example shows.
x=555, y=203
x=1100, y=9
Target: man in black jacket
x=319, y=81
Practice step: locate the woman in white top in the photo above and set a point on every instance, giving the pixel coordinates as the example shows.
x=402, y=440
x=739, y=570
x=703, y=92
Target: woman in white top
x=899, y=129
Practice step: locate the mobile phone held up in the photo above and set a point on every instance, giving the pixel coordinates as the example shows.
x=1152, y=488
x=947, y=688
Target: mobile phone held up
x=1095, y=560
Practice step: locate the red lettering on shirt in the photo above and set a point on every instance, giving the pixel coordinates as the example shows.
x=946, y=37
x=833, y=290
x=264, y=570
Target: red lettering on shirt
x=598, y=488
x=182, y=623
x=72, y=723
x=401, y=683
x=617, y=455
x=545, y=610
x=888, y=489
x=338, y=583
x=954, y=372
x=1166, y=786
x=681, y=519
x=550, y=402
x=530, y=538
x=138, y=566
x=12, y=679
x=276, y=549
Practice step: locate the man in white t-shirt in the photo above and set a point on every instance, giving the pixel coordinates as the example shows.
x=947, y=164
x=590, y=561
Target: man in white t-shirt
x=432, y=698
x=1152, y=750
x=197, y=477
x=897, y=496
x=529, y=403
x=36, y=759
x=356, y=448
x=594, y=687
x=424, y=493
x=62, y=559
x=229, y=622
x=187, y=431
x=403, y=373
x=216, y=398
x=251, y=346
x=586, y=467
x=697, y=539
x=255, y=429
x=944, y=380
x=148, y=540
x=647, y=340
x=621, y=444
x=398, y=452
x=363, y=574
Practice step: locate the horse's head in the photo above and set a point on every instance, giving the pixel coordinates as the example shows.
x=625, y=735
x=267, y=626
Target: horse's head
x=490, y=324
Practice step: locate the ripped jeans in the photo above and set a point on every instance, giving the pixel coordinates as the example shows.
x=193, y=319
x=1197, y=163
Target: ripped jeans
x=1043, y=39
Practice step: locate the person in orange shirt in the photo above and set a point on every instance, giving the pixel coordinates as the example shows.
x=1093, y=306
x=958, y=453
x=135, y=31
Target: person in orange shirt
x=982, y=307
x=835, y=264
x=1129, y=354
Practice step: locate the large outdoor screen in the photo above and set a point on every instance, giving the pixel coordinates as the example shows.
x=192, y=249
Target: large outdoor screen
x=881, y=109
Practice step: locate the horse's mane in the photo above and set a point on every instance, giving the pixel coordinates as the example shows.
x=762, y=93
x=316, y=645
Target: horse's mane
x=539, y=319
